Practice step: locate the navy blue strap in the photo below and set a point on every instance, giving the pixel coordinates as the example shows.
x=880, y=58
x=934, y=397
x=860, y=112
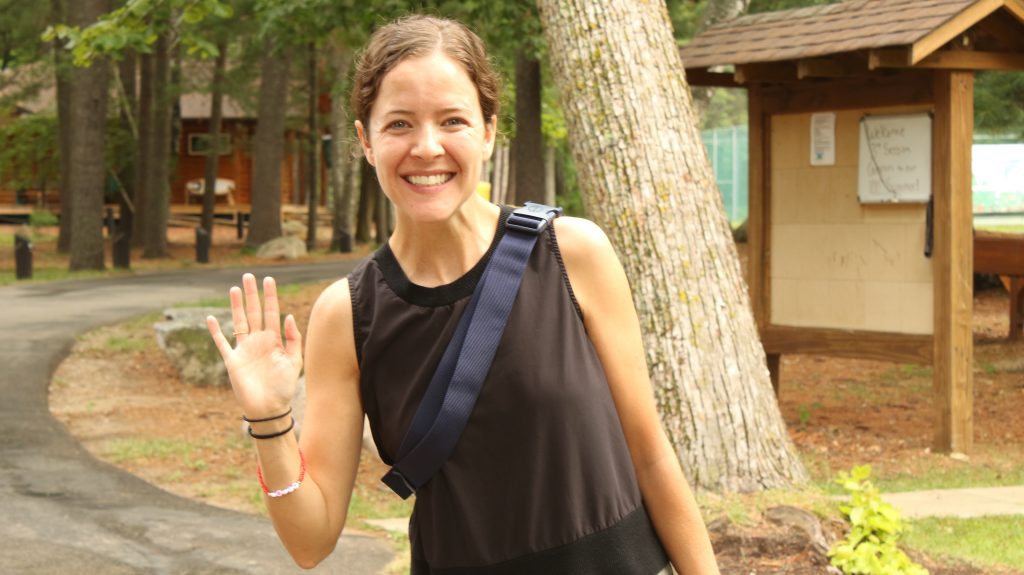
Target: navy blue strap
x=453, y=390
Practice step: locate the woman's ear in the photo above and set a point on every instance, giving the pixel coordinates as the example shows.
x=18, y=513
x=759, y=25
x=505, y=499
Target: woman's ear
x=490, y=135
x=364, y=141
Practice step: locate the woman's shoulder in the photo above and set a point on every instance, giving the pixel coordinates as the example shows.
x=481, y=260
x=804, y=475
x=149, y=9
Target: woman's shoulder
x=580, y=241
x=334, y=303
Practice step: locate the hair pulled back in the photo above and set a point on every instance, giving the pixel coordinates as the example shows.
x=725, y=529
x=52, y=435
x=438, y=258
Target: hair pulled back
x=421, y=35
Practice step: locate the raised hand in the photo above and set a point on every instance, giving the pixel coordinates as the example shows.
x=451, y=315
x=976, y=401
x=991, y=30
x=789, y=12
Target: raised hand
x=263, y=372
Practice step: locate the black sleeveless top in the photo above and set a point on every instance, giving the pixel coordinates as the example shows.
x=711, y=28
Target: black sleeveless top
x=541, y=481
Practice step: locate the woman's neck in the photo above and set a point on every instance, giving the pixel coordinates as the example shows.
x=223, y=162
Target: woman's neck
x=438, y=253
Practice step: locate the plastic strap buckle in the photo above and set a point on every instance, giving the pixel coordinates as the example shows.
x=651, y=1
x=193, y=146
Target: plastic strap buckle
x=398, y=483
x=532, y=218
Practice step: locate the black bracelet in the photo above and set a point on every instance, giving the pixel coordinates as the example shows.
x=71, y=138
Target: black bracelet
x=272, y=435
x=265, y=419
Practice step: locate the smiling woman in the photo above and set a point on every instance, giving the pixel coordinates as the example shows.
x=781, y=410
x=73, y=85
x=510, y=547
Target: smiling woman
x=562, y=465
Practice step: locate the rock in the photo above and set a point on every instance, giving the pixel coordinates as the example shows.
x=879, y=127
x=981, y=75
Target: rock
x=294, y=228
x=187, y=343
x=790, y=516
x=284, y=247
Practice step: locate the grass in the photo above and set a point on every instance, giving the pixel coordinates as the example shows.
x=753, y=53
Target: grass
x=49, y=274
x=127, y=450
x=127, y=344
x=992, y=541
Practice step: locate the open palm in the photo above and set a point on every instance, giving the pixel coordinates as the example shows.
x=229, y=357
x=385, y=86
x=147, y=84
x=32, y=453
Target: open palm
x=263, y=371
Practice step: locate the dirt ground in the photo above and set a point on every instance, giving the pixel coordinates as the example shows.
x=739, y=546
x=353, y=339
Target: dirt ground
x=119, y=395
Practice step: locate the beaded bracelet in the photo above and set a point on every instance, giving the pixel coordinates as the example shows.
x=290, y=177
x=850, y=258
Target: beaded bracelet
x=266, y=419
x=272, y=435
x=295, y=485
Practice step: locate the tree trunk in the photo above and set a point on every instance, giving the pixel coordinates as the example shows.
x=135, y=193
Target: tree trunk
x=367, y=200
x=129, y=122
x=268, y=148
x=62, y=65
x=213, y=157
x=648, y=183
x=313, y=162
x=144, y=139
x=88, y=111
x=528, y=145
x=158, y=198
x=342, y=166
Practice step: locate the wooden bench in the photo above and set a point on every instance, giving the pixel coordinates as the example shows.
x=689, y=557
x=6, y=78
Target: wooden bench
x=1003, y=255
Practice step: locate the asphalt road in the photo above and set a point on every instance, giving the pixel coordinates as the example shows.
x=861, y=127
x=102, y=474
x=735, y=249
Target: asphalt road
x=61, y=510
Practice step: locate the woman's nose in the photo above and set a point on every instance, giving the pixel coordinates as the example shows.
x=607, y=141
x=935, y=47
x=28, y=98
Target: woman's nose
x=428, y=143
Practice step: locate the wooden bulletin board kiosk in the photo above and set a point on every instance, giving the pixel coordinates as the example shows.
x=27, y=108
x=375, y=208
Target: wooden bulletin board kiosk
x=860, y=228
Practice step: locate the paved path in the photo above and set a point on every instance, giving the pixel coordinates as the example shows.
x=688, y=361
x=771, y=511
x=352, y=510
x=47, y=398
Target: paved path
x=61, y=510
x=969, y=502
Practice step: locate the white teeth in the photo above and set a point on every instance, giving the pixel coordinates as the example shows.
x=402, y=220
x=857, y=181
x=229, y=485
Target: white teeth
x=433, y=180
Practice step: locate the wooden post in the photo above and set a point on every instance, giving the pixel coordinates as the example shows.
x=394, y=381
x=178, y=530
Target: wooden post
x=757, y=222
x=953, y=264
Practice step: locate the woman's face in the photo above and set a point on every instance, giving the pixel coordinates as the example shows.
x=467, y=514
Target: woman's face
x=427, y=137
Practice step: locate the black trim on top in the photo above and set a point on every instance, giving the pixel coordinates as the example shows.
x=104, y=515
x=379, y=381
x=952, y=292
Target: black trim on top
x=630, y=547
x=441, y=295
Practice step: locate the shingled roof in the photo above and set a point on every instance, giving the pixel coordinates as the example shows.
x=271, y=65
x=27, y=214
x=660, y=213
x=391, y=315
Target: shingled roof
x=836, y=28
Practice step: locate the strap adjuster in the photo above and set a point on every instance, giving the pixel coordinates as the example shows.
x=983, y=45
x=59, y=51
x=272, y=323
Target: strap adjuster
x=398, y=483
x=532, y=218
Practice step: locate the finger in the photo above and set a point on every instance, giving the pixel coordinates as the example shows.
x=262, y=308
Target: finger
x=252, y=303
x=271, y=307
x=293, y=340
x=223, y=346
x=238, y=313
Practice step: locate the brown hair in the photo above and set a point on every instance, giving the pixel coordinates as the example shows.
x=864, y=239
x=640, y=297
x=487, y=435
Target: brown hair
x=420, y=35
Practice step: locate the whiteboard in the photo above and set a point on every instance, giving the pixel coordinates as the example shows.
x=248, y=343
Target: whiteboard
x=895, y=162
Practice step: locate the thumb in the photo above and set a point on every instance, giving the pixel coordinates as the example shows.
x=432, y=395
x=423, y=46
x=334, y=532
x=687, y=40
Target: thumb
x=292, y=340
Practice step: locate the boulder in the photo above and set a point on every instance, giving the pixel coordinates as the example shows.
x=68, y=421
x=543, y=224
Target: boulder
x=284, y=247
x=186, y=341
x=294, y=228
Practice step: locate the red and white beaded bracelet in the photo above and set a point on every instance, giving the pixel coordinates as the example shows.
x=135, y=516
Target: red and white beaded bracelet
x=285, y=491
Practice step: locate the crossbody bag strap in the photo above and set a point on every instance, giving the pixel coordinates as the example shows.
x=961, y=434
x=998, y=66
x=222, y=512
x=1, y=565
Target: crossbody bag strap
x=453, y=390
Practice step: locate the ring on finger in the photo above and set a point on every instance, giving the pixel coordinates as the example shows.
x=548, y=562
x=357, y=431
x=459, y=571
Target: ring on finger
x=243, y=332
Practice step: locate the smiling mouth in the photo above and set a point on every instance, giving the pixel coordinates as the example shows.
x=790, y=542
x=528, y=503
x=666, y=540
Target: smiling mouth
x=431, y=180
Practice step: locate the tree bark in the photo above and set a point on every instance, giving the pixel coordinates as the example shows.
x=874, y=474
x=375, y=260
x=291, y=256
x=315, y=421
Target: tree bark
x=144, y=139
x=268, y=148
x=129, y=122
x=313, y=154
x=62, y=65
x=158, y=195
x=88, y=115
x=648, y=183
x=367, y=200
x=342, y=164
x=528, y=145
x=216, y=121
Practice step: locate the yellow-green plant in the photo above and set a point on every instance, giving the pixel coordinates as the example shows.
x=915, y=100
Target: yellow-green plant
x=875, y=529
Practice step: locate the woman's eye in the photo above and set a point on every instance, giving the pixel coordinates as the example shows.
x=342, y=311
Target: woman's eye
x=398, y=124
x=454, y=122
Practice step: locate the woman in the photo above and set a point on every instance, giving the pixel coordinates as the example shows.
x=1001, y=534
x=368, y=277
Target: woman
x=563, y=466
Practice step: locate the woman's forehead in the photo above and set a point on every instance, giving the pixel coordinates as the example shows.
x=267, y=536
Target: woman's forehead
x=435, y=81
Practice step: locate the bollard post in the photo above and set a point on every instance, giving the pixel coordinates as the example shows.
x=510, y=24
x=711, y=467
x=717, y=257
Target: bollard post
x=202, y=245
x=240, y=224
x=22, y=257
x=344, y=242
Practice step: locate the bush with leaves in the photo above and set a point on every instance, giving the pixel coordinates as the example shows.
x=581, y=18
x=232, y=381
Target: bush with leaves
x=875, y=529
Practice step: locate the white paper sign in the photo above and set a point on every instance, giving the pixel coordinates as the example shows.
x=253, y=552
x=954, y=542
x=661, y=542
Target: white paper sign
x=895, y=162
x=823, y=139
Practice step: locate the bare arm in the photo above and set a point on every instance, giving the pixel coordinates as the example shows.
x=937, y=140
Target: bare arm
x=263, y=376
x=604, y=296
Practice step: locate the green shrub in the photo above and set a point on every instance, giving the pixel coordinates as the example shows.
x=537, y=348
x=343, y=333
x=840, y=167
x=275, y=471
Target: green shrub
x=875, y=529
x=42, y=218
